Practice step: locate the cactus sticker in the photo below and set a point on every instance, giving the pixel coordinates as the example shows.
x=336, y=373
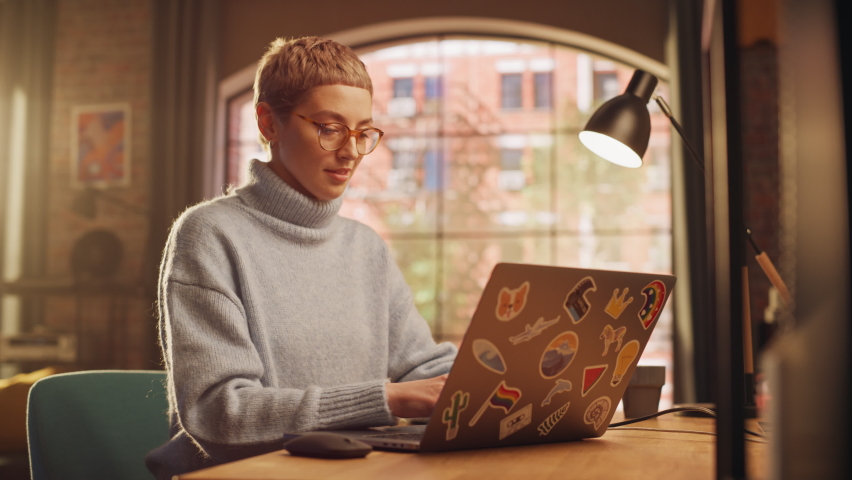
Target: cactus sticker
x=451, y=413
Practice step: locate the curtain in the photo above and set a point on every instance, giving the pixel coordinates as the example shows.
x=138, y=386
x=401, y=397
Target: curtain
x=26, y=71
x=185, y=78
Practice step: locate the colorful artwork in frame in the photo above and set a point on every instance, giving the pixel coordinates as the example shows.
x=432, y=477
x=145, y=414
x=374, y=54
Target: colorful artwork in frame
x=100, y=145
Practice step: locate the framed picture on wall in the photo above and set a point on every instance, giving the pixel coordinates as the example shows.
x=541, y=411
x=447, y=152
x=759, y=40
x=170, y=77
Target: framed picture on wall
x=100, y=145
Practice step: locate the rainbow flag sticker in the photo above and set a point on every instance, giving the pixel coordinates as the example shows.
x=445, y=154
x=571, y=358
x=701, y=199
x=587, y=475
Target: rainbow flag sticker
x=504, y=397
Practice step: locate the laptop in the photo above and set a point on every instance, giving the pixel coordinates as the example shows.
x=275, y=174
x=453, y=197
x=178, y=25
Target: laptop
x=546, y=358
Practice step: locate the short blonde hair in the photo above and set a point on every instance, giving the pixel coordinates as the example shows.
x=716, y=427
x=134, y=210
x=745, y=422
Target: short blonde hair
x=291, y=68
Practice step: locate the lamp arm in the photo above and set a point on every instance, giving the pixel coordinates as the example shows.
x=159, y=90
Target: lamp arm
x=668, y=113
x=762, y=259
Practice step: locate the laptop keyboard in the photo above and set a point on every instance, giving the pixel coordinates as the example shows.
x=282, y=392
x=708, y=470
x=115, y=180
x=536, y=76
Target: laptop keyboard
x=398, y=436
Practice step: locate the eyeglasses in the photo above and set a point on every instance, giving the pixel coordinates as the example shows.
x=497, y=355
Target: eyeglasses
x=333, y=136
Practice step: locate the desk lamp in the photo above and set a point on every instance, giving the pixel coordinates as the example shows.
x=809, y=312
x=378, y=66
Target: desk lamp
x=619, y=132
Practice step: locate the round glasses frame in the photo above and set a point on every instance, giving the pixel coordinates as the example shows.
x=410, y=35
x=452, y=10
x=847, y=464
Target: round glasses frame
x=349, y=133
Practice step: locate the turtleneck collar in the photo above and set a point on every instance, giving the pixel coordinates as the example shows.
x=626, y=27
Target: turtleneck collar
x=268, y=193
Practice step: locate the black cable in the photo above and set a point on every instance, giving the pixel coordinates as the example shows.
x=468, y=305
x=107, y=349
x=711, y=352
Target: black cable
x=704, y=410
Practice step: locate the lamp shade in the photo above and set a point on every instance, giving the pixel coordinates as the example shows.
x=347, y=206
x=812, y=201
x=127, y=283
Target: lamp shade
x=619, y=130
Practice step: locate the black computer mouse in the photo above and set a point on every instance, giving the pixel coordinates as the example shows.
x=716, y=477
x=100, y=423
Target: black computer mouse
x=326, y=445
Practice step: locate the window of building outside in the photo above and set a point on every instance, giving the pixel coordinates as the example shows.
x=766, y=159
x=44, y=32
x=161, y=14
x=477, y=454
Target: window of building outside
x=543, y=89
x=493, y=171
x=511, y=84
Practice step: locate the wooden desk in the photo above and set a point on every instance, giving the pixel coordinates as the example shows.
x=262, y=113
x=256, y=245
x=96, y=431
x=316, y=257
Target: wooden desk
x=627, y=454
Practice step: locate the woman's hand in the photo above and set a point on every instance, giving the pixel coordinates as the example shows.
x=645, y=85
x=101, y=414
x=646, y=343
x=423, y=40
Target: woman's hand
x=415, y=399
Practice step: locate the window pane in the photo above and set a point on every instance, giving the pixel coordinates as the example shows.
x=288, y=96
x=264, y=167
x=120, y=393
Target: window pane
x=543, y=90
x=467, y=266
x=433, y=87
x=465, y=177
x=403, y=87
x=497, y=184
x=243, y=141
x=396, y=188
x=511, y=91
x=418, y=261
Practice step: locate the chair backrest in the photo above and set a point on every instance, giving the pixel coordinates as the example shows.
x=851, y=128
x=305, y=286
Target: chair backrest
x=96, y=424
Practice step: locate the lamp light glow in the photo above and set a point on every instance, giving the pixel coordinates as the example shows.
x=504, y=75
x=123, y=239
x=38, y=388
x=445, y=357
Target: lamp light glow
x=610, y=149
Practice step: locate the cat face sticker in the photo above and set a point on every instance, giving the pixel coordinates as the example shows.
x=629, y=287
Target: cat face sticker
x=510, y=302
x=559, y=354
x=488, y=356
x=576, y=303
x=654, y=293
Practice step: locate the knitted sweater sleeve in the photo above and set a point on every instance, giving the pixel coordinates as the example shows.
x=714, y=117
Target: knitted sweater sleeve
x=413, y=354
x=219, y=389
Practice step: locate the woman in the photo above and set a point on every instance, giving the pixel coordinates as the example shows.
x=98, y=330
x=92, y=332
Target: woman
x=276, y=314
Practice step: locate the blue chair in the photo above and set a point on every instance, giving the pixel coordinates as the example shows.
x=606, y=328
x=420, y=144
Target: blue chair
x=96, y=424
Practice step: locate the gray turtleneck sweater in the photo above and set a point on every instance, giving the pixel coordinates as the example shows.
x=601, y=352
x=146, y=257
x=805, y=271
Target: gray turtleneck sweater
x=278, y=315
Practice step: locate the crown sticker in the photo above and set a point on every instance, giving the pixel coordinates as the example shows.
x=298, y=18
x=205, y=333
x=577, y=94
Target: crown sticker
x=616, y=304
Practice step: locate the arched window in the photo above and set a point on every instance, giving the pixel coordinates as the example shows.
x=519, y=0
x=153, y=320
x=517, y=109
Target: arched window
x=481, y=164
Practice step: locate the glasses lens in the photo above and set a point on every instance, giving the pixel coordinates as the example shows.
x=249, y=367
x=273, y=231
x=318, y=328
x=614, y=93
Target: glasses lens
x=333, y=136
x=368, y=140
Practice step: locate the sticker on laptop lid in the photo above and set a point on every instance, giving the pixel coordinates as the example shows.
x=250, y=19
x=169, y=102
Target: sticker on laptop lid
x=610, y=336
x=591, y=376
x=510, y=302
x=533, y=330
x=624, y=360
x=504, y=397
x=576, y=303
x=488, y=356
x=654, y=293
x=616, y=304
x=515, y=421
x=452, y=413
x=597, y=412
x=561, y=386
x=558, y=354
x=547, y=425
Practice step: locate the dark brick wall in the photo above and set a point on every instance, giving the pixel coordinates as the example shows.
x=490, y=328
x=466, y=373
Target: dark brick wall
x=759, y=89
x=103, y=55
